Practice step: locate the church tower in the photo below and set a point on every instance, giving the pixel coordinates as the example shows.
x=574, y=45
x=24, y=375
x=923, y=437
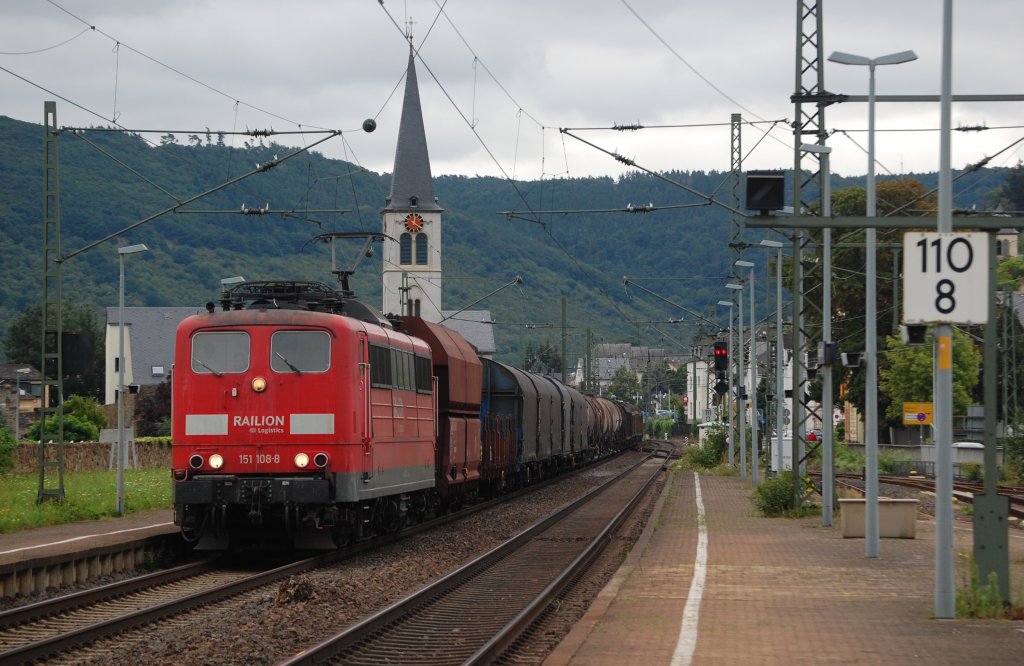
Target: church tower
x=412, y=219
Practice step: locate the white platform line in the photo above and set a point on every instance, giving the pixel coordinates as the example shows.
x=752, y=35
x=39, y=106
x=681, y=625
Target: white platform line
x=88, y=536
x=687, y=643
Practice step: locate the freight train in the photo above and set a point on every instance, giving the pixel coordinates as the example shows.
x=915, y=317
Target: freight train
x=304, y=418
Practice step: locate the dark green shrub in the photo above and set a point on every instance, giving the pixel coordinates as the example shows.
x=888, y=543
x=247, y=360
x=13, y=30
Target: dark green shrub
x=888, y=459
x=7, y=444
x=1013, y=452
x=709, y=454
x=76, y=429
x=774, y=497
x=971, y=471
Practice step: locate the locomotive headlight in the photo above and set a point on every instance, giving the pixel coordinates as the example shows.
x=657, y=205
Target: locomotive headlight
x=195, y=461
x=320, y=460
x=301, y=460
x=259, y=384
x=216, y=461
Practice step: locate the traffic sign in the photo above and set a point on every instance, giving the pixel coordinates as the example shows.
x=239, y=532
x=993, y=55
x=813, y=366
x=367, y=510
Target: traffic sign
x=945, y=277
x=918, y=413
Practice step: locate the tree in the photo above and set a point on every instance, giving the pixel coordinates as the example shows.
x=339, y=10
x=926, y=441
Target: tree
x=1011, y=195
x=153, y=410
x=22, y=343
x=906, y=375
x=624, y=385
x=903, y=197
x=1009, y=273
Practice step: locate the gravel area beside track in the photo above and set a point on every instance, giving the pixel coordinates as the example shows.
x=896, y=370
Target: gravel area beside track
x=266, y=626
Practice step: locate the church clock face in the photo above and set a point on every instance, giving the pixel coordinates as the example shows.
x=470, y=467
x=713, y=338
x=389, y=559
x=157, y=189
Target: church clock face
x=413, y=223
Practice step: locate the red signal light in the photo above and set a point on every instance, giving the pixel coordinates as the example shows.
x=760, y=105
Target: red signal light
x=721, y=353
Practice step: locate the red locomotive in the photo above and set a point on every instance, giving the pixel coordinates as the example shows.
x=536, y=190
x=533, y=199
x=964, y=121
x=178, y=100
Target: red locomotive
x=302, y=417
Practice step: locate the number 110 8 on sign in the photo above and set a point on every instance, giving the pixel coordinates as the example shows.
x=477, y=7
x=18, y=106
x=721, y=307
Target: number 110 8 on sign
x=945, y=278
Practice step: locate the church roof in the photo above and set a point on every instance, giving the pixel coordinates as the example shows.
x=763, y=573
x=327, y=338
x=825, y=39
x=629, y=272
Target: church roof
x=411, y=184
x=474, y=325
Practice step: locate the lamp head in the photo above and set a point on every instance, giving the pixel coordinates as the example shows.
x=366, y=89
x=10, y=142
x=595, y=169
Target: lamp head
x=771, y=243
x=131, y=249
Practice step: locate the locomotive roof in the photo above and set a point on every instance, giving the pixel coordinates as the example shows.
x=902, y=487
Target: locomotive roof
x=298, y=295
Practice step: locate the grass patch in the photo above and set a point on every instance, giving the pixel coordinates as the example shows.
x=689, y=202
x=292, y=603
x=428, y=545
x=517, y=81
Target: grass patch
x=977, y=600
x=87, y=496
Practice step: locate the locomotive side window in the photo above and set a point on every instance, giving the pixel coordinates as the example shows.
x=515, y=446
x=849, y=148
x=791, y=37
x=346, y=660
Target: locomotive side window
x=300, y=351
x=423, y=375
x=220, y=352
x=380, y=366
x=402, y=363
x=395, y=368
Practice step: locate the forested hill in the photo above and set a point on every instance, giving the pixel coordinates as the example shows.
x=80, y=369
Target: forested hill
x=582, y=256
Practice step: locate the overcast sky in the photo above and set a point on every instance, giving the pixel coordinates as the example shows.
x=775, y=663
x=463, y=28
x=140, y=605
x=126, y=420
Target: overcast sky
x=498, y=78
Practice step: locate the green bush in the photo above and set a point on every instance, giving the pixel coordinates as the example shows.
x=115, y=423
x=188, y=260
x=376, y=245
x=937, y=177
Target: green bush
x=1013, y=452
x=709, y=454
x=971, y=471
x=774, y=497
x=76, y=429
x=656, y=428
x=848, y=460
x=86, y=409
x=7, y=444
x=887, y=460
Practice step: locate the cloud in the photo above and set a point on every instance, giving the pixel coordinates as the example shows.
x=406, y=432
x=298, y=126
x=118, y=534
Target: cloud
x=497, y=82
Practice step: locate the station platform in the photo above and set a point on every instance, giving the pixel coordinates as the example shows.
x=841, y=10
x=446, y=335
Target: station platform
x=781, y=591
x=56, y=557
x=71, y=538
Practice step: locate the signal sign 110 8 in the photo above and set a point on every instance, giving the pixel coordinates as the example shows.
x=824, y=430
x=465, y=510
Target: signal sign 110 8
x=945, y=278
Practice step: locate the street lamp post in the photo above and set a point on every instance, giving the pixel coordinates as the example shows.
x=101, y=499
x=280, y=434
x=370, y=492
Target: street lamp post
x=742, y=406
x=17, y=402
x=754, y=439
x=728, y=404
x=122, y=252
x=779, y=353
x=871, y=540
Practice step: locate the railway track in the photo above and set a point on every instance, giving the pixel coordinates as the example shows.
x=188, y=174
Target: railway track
x=47, y=628
x=964, y=491
x=475, y=613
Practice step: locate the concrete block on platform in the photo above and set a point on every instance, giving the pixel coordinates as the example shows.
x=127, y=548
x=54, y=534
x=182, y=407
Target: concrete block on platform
x=897, y=518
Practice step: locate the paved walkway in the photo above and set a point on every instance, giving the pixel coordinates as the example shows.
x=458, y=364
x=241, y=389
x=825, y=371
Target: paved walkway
x=781, y=591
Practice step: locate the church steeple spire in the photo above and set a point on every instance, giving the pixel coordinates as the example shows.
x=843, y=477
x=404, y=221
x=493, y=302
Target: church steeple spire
x=411, y=272
x=411, y=182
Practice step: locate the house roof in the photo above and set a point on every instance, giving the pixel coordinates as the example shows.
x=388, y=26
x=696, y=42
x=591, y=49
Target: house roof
x=411, y=185
x=152, y=339
x=474, y=325
x=9, y=372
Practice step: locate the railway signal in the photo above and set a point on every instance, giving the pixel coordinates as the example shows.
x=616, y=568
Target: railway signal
x=721, y=353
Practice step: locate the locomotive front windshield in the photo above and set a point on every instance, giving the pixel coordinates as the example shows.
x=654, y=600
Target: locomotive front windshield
x=220, y=352
x=300, y=351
